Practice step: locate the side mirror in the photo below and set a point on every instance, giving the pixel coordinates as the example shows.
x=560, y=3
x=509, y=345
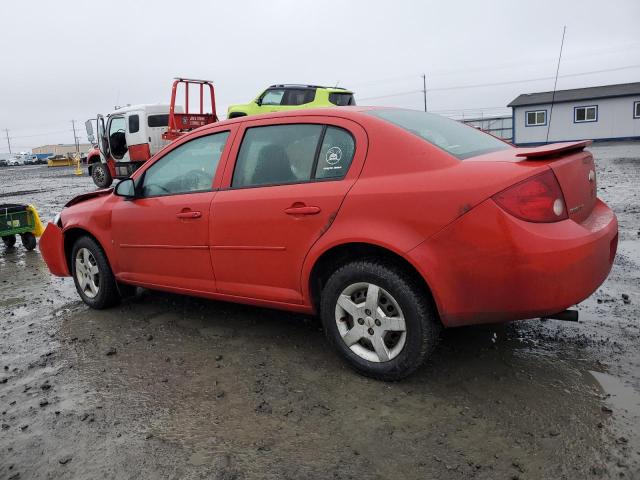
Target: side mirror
x=126, y=188
x=88, y=125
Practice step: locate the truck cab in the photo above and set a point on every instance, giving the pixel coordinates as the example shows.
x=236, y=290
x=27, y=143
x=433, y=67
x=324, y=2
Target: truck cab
x=125, y=139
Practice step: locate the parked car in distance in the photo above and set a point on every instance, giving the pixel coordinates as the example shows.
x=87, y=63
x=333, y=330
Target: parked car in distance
x=389, y=224
x=285, y=97
x=14, y=162
x=3, y=162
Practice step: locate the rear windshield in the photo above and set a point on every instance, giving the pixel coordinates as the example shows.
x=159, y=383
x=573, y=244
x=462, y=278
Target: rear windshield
x=459, y=140
x=342, y=99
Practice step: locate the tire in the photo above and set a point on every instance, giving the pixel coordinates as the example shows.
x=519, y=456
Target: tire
x=237, y=115
x=92, y=274
x=9, y=241
x=101, y=175
x=28, y=240
x=381, y=285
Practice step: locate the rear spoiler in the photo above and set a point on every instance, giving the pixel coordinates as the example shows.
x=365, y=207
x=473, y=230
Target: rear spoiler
x=552, y=149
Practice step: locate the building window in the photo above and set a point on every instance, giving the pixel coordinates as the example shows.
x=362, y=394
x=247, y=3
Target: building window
x=535, y=118
x=636, y=109
x=585, y=114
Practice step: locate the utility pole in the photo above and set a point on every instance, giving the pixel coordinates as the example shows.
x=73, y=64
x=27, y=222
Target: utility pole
x=424, y=90
x=75, y=139
x=6, y=130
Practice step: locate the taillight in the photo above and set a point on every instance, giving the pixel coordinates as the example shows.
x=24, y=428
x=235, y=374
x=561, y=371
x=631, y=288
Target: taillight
x=536, y=199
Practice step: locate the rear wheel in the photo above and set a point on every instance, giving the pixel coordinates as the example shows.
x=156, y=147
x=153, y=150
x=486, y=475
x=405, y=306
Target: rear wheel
x=379, y=319
x=101, y=175
x=28, y=240
x=92, y=274
x=9, y=241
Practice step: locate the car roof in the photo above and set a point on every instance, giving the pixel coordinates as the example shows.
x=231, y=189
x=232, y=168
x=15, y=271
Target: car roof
x=302, y=85
x=353, y=112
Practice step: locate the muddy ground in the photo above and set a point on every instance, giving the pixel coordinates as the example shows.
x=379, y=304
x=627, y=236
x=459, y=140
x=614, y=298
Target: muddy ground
x=165, y=386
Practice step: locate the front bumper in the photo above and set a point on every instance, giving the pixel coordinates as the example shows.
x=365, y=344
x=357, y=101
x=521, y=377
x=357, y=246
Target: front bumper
x=52, y=250
x=490, y=267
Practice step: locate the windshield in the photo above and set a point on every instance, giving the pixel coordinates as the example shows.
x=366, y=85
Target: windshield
x=458, y=139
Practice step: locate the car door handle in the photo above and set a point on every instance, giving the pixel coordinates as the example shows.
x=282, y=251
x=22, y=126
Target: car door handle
x=189, y=214
x=303, y=210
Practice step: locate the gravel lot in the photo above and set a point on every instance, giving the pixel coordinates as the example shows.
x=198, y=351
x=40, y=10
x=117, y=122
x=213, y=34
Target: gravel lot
x=165, y=386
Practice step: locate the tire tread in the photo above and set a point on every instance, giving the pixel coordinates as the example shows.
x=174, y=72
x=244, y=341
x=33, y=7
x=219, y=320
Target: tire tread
x=430, y=325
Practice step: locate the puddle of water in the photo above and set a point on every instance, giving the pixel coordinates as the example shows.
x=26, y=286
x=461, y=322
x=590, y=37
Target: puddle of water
x=624, y=400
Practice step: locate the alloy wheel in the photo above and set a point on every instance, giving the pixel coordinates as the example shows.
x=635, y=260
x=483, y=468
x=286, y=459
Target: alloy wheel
x=87, y=273
x=370, y=322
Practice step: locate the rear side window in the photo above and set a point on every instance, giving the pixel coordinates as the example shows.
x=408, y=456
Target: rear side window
x=336, y=153
x=276, y=155
x=134, y=123
x=461, y=141
x=284, y=154
x=342, y=99
x=298, y=96
x=158, y=120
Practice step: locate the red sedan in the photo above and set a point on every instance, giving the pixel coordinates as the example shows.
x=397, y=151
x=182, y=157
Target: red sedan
x=388, y=223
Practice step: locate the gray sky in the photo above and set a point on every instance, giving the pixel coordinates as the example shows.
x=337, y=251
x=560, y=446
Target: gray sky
x=63, y=60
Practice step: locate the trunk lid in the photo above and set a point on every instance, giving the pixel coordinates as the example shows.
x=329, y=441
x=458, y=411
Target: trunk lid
x=572, y=165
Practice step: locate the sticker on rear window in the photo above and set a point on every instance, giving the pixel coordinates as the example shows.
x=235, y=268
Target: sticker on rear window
x=334, y=155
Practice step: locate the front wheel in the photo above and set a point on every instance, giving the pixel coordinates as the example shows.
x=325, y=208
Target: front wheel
x=101, y=175
x=92, y=274
x=379, y=319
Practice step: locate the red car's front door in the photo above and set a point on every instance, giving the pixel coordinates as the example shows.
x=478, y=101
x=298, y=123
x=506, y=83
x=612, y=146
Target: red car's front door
x=161, y=237
x=283, y=191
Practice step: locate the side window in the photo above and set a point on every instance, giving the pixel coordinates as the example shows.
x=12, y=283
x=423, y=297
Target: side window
x=272, y=97
x=134, y=123
x=342, y=99
x=298, y=96
x=276, y=155
x=336, y=154
x=117, y=125
x=161, y=120
x=188, y=168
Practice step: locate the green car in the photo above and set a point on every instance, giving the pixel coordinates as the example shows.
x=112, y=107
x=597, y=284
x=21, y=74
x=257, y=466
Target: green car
x=279, y=98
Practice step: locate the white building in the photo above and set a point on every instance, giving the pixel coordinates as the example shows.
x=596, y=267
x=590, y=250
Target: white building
x=610, y=112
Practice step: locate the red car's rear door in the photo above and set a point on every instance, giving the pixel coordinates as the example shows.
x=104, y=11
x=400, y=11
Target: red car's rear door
x=162, y=236
x=286, y=180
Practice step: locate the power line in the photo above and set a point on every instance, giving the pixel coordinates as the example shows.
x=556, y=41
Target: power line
x=528, y=62
x=497, y=84
x=41, y=134
x=399, y=94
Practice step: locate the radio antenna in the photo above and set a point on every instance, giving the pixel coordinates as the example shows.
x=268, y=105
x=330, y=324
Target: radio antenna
x=555, y=84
